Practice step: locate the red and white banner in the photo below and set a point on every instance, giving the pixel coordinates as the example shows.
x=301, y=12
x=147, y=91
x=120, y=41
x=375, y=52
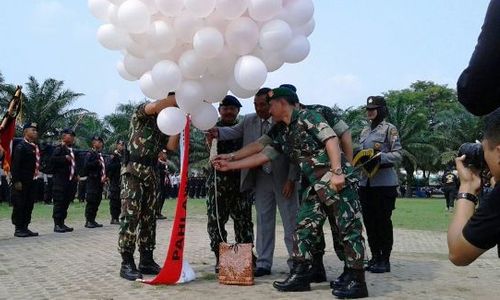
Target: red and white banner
x=172, y=267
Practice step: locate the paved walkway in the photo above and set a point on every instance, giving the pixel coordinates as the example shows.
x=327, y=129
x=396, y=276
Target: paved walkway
x=84, y=264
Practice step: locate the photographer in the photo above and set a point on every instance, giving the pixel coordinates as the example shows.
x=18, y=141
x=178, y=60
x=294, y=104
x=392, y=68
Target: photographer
x=471, y=233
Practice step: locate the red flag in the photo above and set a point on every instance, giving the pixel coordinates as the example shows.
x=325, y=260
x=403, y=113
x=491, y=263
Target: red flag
x=8, y=128
x=172, y=267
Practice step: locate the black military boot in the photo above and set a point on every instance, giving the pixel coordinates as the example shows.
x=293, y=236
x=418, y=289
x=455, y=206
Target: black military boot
x=21, y=232
x=317, y=271
x=355, y=286
x=375, y=258
x=340, y=281
x=297, y=281
x=128, y=269
x=147, y=265
x=382, y=265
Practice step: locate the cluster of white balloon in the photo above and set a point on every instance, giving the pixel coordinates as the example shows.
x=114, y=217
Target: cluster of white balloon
x=201, y=49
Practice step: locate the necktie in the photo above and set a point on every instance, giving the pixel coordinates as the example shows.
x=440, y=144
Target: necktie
x=103, y=168
x=37, y=159
x=72, y=166
x=264, y=128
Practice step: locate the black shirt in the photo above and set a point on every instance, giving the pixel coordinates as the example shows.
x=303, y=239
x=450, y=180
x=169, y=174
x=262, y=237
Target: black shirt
x=483, y=228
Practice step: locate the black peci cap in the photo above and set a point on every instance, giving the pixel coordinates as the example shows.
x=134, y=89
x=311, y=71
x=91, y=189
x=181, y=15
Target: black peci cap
x=97, y=138
x=230, y=101
x=30, y=125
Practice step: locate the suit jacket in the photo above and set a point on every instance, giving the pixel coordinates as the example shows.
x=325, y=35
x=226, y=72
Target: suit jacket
x=250, y=130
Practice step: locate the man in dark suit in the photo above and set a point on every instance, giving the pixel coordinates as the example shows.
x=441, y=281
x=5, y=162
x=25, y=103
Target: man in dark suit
x=95, y=170
x=25, y=171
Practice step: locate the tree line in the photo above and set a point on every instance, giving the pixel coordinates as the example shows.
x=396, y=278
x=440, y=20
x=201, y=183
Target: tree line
x=431, y=123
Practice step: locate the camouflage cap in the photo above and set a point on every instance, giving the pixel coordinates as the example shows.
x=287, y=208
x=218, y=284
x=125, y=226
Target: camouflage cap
x=283, y=92
x=375, y=102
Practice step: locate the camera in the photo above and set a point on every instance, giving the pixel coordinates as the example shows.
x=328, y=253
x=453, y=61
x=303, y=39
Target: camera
x=474, y=155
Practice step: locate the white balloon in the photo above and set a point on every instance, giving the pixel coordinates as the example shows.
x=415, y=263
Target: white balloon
x=113, y=14
x=123, y=73
x=231, y=9
x=134, y=16
x=200, y=8
x=171, y=120
x=305, y=29
x=167, y=74
x=151, y=4
x=186, y=25
x=150, y=89
x=264, y=10
x=272, y=59
x=297, y=50
x=242, y=35
x=238, y=91
x=205, y=117
x=136, y=66
x=222, y=66
x=162, y=36
x=192, y=65
x=275, y=35
x=112, y=38
x=170, y=8
x=116, y=2
x=208, y=42
x=250, y=72
x=298, y=12
x=216, y=20
x=215, y=88
x=189, y=95
x=99, y=8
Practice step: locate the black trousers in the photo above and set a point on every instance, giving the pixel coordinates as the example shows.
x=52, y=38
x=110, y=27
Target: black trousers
x=93, y=198
x=161, y=194
x=63, y=194
x=22, y=202
x=377, y=204
x=47, y=191
x=115, y=205
x=450, y=193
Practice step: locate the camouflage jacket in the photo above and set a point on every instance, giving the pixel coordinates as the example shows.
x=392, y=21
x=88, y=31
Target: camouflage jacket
x=145, y=142
x=303, y=141
x=228, y=146
x=332, y=118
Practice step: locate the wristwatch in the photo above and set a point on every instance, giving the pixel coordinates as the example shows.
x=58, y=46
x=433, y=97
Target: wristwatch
x=468, y=196
x=337, y=171
x=231, y=156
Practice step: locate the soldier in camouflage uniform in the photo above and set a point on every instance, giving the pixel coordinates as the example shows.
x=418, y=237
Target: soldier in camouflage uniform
x=230, y=201
x=306, y=138
x=341, y=129
x=138, y=188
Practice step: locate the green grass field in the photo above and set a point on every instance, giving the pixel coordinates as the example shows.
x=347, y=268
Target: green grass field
x=420, y=214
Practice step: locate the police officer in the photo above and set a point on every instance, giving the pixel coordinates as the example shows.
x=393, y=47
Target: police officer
x=379, y=182
x=113, y=173
x=138, y=189
x=95, y=170
x=65, y=179
x=230, y=201
x=25, y=170
x=450, y=188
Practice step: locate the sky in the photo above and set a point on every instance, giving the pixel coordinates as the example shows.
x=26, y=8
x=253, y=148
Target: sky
x=359, y=48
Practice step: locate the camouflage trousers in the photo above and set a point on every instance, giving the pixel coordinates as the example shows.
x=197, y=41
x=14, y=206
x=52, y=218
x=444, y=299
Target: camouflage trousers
x=309, y=235
x=337, y=244
x=138, y=210
x=230, y=203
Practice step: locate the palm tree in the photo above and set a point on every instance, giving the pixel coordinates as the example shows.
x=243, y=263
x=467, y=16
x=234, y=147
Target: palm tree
x=119, y=121
x=88, y=126
x=47, y=104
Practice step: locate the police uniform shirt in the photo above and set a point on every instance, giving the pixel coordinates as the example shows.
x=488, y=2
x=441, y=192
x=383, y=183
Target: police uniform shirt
x=383, y=138
x=483, y=228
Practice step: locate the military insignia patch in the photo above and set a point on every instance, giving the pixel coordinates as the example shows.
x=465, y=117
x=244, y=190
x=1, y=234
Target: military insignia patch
x=377, y=146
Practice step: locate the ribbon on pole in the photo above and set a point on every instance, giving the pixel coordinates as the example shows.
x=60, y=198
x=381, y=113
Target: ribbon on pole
x=172, y=267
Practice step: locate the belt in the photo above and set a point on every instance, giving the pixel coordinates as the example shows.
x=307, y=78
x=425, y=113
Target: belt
x=386, y=166
x=149, y=162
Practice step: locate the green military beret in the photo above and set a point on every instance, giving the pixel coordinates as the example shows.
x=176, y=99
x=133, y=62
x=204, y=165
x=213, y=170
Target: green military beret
x=283, y=92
